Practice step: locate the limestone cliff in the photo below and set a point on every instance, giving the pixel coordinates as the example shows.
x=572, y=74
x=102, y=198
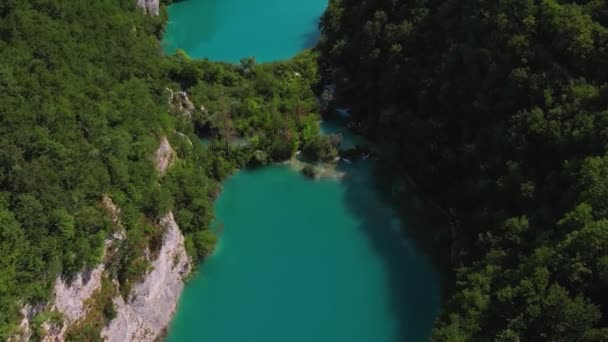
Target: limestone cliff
x=70, y=298
x=146, y=314
x=151, y=7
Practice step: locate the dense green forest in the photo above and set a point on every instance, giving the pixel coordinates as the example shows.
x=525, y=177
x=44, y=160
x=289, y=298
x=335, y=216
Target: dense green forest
x=83, y=107
x=498, y=110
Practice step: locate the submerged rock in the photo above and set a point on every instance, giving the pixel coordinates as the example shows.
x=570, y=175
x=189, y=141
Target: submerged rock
x=327, y=170
x=309, y=171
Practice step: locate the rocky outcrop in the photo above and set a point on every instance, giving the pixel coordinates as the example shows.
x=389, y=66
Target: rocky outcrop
x=147, y=312
x=180, y=102
x=112, y=210
x=164, y=156
x=70, y=296
x=151, y=7
x=25, y=327
x=69, y=300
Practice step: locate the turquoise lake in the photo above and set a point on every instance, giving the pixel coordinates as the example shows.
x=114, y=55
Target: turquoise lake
x=228, y=30
x=297, y=260
x=303, y=260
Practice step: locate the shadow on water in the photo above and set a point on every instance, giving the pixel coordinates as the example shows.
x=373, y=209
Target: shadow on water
x=412, y=281
x=310, y=39
x=402, y=235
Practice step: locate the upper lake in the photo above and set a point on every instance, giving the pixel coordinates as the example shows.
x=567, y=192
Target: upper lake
x=228, y=30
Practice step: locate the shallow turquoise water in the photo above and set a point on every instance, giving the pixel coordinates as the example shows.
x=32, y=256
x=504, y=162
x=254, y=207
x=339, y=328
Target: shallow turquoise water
x=228, y=30
x=303, y=260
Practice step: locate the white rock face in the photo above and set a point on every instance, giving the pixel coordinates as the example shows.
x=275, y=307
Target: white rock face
x=180, y=102
x=25, y=332
x=149, y=6
x=70, y=297
x=152, y=304
x=164, y=156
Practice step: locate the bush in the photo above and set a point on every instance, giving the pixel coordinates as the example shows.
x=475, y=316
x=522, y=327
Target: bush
x=321, y=149
x=204, y=242
x=282, y=149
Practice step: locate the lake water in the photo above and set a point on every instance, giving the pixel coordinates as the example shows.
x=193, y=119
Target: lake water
x=297, y=260
x=303, y=260
x=228, y=30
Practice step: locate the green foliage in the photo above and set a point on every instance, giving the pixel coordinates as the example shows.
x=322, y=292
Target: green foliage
x=498, y=110
x=249, y=107
x=321, y=149
x=204, y=242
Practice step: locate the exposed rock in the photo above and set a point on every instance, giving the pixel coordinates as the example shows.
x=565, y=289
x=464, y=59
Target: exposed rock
x=70, y=297
x=111, y=209
x=151, y=7
x=145, y=315
x=25, y=327
x=179, y=102
x=54, y=332
x=69, y=300
x=164, y=157
x=119, y=236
